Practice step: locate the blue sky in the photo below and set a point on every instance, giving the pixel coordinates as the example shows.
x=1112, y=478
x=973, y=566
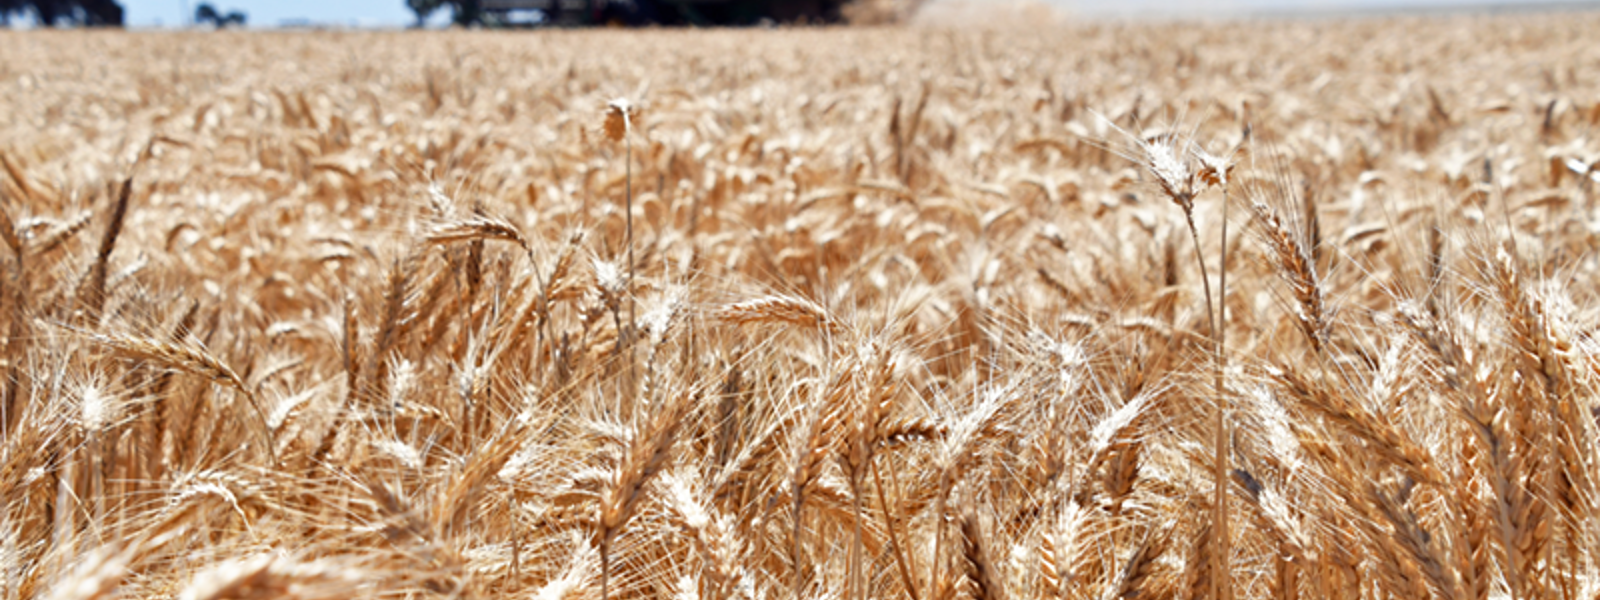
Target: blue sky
x=393, y=13
x=367, y=13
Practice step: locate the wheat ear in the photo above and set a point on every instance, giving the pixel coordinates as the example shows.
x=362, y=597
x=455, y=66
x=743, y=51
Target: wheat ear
x=190, y=358
x=93, y=293
x=981, y=568
x=643, y=459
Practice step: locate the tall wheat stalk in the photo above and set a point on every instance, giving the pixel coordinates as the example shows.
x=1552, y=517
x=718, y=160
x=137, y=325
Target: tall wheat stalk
x=1181, y=170
x=620, y=115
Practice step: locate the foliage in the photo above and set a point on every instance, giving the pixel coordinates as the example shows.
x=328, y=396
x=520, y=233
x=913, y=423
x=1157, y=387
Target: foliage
x=94, y=13
x=463, y=12
x=424, y=8
x=205, y=13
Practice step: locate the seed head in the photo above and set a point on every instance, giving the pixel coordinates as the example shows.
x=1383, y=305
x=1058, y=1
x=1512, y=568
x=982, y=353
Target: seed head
x=1168, y=158
x=1214, y=170
x=1165, y=160
x=619, y=118
x=609, y=277
x=96, y=407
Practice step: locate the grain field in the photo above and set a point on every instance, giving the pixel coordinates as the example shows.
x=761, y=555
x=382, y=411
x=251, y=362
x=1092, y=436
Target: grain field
x=1287, y=309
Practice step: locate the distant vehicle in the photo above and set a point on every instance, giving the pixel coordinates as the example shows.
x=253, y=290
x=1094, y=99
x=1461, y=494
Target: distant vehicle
x=659, y=12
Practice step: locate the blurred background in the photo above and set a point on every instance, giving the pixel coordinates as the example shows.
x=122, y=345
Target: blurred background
x=533, y=13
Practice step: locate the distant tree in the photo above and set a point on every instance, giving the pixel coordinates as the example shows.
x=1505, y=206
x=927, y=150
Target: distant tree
x=206, y=13
x=102, y=13
x=466, y=12
x=423, y=8
x=462, y=12
x=92, y=13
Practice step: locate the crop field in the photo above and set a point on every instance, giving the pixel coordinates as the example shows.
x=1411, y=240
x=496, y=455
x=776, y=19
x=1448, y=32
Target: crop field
x=1295, y=309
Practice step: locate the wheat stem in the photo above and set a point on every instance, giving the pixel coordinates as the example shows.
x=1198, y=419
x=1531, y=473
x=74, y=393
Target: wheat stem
x=1219, y=466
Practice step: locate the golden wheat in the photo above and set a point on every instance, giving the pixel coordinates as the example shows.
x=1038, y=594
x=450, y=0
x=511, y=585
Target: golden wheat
x=858, y=313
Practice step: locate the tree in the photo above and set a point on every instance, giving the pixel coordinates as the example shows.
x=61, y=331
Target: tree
x=101, y=13
x=423, y=8
x=462, y=12
x=206, y=13
x=466, y=12
x=92, y=13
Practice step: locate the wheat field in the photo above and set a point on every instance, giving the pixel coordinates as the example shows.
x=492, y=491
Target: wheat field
x=1295, y=309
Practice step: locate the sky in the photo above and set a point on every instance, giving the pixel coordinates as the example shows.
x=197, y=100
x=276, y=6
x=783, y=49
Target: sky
x=360, y=13
x=393, y=13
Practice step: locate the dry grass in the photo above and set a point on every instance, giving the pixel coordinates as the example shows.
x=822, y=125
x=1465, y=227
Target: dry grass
x=916, y=314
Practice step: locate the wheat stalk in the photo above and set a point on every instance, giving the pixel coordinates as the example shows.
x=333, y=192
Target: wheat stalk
x=189, y=358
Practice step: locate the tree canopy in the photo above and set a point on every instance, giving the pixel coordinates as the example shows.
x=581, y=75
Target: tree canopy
x=93, y=13
x=462, y=12
x=206, y=13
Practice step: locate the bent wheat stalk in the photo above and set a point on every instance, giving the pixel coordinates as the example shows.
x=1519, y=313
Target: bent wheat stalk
x=189, y=358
